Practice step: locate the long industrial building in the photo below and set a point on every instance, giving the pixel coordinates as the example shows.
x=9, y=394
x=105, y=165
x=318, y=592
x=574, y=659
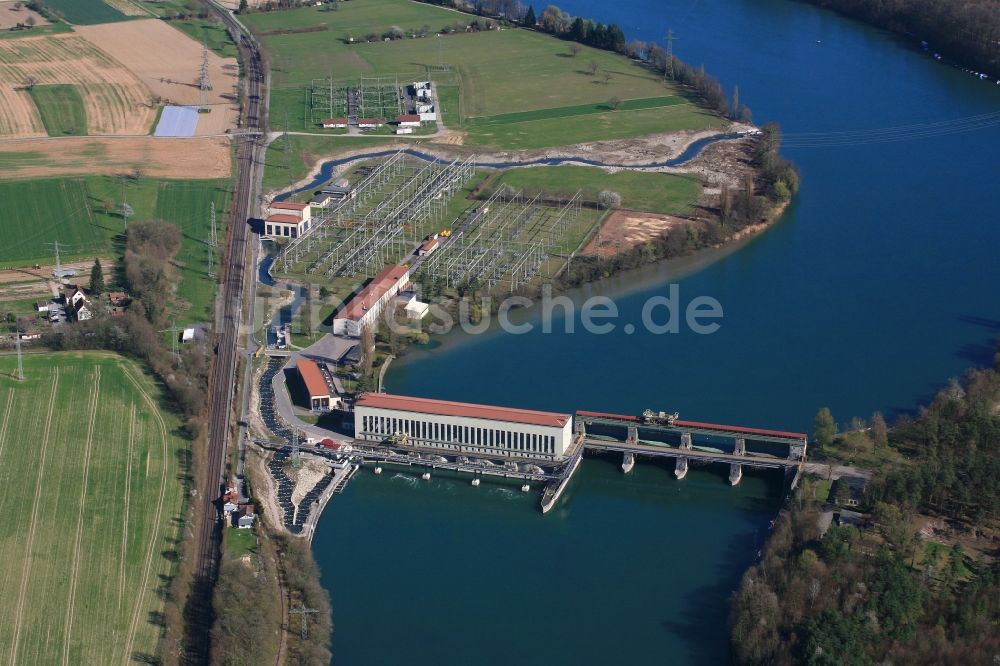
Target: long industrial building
x=463, y=427
x=364, y=309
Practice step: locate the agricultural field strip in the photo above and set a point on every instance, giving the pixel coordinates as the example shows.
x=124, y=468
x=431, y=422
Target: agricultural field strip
x=26, y=569
x=570, y=111
x=151, y=545
x=6, y=422
x=75, y=569
x=125, y=502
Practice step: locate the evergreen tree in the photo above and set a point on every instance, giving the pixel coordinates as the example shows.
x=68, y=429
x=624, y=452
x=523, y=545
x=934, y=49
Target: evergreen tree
x=529, y=18
x=97, y=278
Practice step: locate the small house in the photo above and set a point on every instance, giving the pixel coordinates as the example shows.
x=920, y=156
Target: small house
x=118, y=299
x=287, y=220
x=245, y=516
x=334, y=123
x=42, y=306
x=428, y=246
x=230, y=502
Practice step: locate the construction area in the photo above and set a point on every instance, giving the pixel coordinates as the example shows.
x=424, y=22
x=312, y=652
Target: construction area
x=400, y=202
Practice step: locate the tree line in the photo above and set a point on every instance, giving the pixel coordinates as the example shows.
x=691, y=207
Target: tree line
x=884, y=593
x=967, y=31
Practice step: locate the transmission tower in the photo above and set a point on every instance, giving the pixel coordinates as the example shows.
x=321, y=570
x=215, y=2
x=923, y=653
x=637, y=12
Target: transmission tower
x=204, y=85
x=211, y=260
x=173, y=330
x=296, y=459
x=213, y=233
x=302, y=611
x=125, y=209
x=20, y=365
x=670, y=55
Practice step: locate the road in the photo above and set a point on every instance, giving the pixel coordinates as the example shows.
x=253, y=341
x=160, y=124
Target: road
x=228, y=329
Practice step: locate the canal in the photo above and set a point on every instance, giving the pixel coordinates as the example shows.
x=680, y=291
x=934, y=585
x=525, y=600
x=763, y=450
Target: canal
x=877, y=286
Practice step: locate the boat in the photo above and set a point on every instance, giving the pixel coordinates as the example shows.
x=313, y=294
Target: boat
x=525, y=488
x=475, y=483
x=426, y=476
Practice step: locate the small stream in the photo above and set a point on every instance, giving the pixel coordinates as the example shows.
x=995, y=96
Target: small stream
x=692, y=151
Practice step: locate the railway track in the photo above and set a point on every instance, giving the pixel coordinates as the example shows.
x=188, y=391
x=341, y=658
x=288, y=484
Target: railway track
x=222, y=381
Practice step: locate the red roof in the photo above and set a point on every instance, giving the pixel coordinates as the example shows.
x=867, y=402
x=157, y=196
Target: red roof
x=287, y=205
x=329, y=444
x=429, y=245
x=313, y=378
x=409, y=118
x=375, y=290
x=334, y=121
x=448, y=408
x=284, y=219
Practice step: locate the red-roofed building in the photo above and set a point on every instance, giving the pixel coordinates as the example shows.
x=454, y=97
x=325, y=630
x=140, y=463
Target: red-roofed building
x=370, y=123
x=287, y=220
x=365, y=308
x=464, y=427
x=409, y=120
x=429, y=246
x=334, y=123
x=315, y=385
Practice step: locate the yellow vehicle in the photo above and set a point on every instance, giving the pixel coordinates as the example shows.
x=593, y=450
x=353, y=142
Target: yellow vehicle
x=445, y=233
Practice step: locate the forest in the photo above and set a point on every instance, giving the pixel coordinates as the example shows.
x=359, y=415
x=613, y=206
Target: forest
x=886, y=590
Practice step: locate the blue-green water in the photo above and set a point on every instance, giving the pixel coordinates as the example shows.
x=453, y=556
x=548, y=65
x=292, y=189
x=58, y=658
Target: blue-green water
x=878, y=285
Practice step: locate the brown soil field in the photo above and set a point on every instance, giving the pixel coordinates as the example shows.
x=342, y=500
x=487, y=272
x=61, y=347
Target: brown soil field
x=221, y=118
x=156, y=157
x=10, y=17
x=165, y=59
x=127, y=8
x=115, y=99
x=625, y=229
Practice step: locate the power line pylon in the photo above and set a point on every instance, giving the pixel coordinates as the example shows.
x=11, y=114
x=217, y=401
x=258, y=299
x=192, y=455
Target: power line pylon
x=669, y=69
x=20, y=365
x=211, y=259
x=213, y=232
x=302, y=611
x=173, y=330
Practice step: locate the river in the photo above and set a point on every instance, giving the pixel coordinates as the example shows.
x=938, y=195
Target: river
x=878, y=284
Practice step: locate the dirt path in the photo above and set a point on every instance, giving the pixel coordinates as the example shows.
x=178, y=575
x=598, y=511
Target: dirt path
x=33, y=525
x=6, y=421
x=158, y=514
x=128, y=491
x=75, y=569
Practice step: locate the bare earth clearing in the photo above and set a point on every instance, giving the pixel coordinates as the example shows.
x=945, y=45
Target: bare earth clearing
x=157, y=158
x=625, y=229
x=23, y=283
x=169, y=63
x=116, y=100
x=10, y=17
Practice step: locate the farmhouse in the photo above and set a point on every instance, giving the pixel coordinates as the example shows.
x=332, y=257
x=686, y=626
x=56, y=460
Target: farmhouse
x=287, y=220
x=77, y=304
x=370, y=123
x=334, y=123
x=42, y=306
x=245, y=516
x=408, y=120
x=364, y=309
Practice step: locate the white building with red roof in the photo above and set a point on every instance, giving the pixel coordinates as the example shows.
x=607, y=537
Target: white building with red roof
x=463, y=427
x=366, y=306
x=287, y=220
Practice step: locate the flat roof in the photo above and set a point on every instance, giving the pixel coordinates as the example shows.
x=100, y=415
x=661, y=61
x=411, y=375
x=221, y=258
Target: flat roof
x=284, y=219
x=468, y=410
x=313, y=378
x=375, y=290
x=287, y=205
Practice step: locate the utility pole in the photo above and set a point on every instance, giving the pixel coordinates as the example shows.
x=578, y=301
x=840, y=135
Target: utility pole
x=126, y=209
x=211, y=259
x=20, y=365
x=302, y=611
x=670, y=55
x=173, y=330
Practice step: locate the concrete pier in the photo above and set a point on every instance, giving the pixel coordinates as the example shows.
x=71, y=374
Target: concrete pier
x=681, y=469
x=554, y=490
x=735, y=473
x=628, y=461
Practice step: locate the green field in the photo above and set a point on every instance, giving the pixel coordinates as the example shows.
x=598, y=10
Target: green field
x=84, y=12
x=90, y=511
x=644, y=191
x=83, y=214
x=61, y=109
x=210, y=33
x=518, y=88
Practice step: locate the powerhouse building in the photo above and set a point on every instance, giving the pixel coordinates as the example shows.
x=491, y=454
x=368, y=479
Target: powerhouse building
x=463, y=427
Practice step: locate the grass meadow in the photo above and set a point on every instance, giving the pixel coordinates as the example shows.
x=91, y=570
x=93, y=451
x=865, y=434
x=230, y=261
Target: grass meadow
x=83, y=214
x=515, y=89
x=92, y=472
x=85, y=12
x=649, y=192
x=61, y=109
